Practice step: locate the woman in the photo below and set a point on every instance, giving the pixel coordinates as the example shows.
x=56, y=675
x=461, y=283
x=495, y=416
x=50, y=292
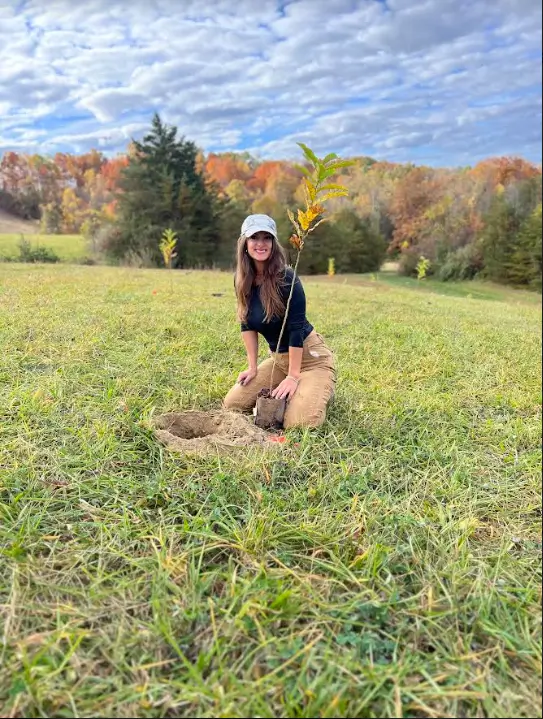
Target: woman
x=304, y=372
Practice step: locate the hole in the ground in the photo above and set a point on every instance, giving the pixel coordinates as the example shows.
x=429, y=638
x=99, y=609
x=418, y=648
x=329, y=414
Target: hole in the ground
x=192, y=425
x=203, y=432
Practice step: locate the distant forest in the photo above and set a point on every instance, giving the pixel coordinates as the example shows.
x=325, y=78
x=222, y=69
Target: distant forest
x=481, y=221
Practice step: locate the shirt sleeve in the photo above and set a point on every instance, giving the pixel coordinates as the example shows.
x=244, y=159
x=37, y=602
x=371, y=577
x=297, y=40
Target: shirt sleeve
x=296, y=319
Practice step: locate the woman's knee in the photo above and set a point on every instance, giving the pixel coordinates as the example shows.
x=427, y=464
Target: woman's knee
x=237, y=401
x=307, y=419
x=309, y=407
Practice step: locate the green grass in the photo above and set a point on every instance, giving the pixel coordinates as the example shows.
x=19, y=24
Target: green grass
x=475, y=289
x=70, y=248
x=387, y=564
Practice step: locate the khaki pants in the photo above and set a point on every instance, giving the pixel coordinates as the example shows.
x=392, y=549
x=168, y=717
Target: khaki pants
x=307, y=408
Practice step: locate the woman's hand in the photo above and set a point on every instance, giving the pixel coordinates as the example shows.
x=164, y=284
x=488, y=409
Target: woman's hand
x=245, y=377
x=286, y=389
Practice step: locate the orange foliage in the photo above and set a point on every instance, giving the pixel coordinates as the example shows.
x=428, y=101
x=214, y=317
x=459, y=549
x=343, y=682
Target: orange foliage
x=413, y=195
x=416, y=202
x=224, y=168
x=111, y=171
x=262, y=175
x=504, y=170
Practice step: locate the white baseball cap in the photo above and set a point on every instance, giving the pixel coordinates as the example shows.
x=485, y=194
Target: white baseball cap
x=258, y=223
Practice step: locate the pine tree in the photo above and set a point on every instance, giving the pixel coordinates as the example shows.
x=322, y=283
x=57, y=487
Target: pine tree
x=361, y=247
x=497, y=241
x=524, y=267
x=162, y=188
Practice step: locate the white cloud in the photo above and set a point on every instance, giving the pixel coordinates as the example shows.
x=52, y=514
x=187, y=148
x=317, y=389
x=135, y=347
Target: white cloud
x=109, y=104
x=448, y=81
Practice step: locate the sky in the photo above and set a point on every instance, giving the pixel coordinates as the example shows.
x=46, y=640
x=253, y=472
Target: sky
x=436, y=82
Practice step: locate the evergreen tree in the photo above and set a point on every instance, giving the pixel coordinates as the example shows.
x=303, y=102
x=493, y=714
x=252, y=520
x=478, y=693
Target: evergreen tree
x=360, y=245
x=161, y=187
x=497, y=240
x=321, y=244
x=524, y=265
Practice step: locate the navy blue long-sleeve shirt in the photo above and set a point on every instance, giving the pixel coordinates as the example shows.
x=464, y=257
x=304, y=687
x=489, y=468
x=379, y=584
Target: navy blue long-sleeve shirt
x=297, y=327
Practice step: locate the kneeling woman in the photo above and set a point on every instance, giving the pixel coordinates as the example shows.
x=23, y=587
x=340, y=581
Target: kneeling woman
x=304, y=372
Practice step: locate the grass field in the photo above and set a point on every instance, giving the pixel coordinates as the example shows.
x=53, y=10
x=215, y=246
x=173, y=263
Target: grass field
x=69, y=248
x=385, y=565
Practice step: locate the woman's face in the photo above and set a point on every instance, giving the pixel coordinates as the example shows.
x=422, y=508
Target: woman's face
x=259, y=246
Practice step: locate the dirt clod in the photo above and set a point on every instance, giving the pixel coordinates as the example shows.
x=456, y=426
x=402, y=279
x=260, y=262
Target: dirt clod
x=206, y=432
x=270, y=412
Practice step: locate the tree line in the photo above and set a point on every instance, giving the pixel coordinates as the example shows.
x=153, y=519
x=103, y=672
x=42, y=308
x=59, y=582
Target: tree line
x=483, y=220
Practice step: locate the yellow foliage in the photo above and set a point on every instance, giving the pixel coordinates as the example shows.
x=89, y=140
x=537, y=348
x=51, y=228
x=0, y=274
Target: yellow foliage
x=293, y=220
x=167, y=246
x=311, y=190
x=313, y=212
x=313, y=185
x=304, y=220
x=334, y=193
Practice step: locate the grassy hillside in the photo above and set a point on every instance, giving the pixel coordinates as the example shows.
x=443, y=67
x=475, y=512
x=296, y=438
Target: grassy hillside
x=69, y=248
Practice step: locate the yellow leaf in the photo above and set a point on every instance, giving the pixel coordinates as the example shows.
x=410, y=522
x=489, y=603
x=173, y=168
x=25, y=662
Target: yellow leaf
x=293, y=220
x=306, y=218
x=333, y=187
x=310, y=214
x=315, y=210
x=335, y=193
x=303, y=220
x=311, y=190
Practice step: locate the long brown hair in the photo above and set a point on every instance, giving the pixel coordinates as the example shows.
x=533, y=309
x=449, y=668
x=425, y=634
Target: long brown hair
x=274, y=272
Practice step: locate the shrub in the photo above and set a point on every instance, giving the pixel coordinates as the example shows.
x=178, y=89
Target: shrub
x=27, y=253
x=462, y=264
x=409, y=262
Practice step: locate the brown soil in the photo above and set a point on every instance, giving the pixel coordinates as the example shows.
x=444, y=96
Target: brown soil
x=208, y=432
x=270, y=412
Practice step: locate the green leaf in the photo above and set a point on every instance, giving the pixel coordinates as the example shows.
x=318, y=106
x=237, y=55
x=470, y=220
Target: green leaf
x=17, y=687
x=331, y=156
x=304, y=170
x=326, y=172
x=342, y=163
x=281, y=599
x=309, y=154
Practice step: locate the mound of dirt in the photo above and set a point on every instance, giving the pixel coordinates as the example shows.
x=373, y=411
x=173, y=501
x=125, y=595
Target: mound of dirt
x=204, y=432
